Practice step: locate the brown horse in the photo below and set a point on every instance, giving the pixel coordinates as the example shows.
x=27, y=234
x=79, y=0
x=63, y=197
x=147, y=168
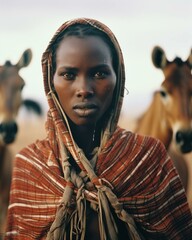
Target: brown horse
x=11, y=85
x=169, y=116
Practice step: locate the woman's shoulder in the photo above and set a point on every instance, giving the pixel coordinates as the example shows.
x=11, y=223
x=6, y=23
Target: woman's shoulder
x=37, y=157
x=134, y=139
x=127, y=149
x=133, y=158
x=139, y=148
x=39, y=149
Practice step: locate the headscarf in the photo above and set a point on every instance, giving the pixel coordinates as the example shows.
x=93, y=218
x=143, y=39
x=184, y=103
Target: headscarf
x=68, y=146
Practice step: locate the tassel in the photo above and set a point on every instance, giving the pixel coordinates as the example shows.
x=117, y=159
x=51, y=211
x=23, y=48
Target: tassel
x=78, y=223
x=108, y=227
x=121, y=213
x=62, y=217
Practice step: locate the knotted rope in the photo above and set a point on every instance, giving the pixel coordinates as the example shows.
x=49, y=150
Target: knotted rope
x=76, y=219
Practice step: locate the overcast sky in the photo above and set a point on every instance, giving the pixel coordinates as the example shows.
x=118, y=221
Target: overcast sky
x=139, y=25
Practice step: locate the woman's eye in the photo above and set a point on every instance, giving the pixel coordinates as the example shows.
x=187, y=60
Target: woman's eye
x=100, y=74
x=68, y=76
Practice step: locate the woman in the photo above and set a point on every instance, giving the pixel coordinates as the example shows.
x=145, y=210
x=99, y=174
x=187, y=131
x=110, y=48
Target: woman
x=90, y=179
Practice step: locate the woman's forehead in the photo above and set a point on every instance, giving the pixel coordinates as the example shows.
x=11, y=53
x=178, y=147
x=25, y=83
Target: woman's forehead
x=73, y=49
x=86, y=43
x=89, y=41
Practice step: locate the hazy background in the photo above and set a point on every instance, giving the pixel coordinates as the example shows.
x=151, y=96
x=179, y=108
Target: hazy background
x=139, y=25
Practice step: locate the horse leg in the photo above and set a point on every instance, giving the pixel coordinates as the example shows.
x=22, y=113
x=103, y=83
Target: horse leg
x=5, y=183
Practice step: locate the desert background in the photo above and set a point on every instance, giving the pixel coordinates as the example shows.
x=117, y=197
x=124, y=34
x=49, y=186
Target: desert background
x=30, y=129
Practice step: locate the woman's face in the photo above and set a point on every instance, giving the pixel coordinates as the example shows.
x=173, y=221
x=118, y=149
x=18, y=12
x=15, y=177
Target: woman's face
x=84, y=78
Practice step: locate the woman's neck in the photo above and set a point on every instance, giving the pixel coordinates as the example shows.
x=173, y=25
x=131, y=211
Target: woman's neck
x=86, y=137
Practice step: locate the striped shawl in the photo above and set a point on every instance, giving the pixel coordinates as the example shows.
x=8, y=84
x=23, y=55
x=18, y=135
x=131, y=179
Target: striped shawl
x=138, y=169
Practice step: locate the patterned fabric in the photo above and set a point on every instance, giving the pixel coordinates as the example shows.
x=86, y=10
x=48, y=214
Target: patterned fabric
x=133, y=179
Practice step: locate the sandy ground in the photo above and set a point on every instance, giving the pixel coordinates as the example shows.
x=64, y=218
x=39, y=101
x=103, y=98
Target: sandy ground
x=30, y=129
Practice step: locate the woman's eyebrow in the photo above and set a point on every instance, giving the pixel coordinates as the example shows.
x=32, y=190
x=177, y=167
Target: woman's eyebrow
x=103, y=65
x=75, y=69
x=67, y=68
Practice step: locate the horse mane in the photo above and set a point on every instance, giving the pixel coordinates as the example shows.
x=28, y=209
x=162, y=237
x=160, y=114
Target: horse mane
x=178, y=61
x=8, y=64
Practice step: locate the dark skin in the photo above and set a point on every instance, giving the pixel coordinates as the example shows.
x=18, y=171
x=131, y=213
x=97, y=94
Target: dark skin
x=85, y=81
x=90, y=137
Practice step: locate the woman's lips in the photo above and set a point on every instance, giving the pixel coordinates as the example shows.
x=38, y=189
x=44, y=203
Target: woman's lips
x=85, y=109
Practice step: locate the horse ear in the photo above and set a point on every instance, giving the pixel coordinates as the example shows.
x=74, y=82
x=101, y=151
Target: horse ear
x=25, y=59
x=159, y=58
x=189, y=60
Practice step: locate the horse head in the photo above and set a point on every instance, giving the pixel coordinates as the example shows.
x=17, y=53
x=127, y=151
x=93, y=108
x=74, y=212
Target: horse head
x=176, y=97
x=11, y=85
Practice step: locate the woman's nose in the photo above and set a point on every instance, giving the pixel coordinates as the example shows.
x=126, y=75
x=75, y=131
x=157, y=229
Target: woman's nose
x=85, y=89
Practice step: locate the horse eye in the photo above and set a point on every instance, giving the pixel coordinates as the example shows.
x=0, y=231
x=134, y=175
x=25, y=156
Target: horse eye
x=21, y=87
x=163, y=93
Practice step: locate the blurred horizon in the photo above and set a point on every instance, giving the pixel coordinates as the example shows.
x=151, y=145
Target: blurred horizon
x=138, y=26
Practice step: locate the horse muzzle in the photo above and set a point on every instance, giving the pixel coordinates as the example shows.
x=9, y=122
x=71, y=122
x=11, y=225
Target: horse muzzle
x=8, y=131
x=184, y=141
